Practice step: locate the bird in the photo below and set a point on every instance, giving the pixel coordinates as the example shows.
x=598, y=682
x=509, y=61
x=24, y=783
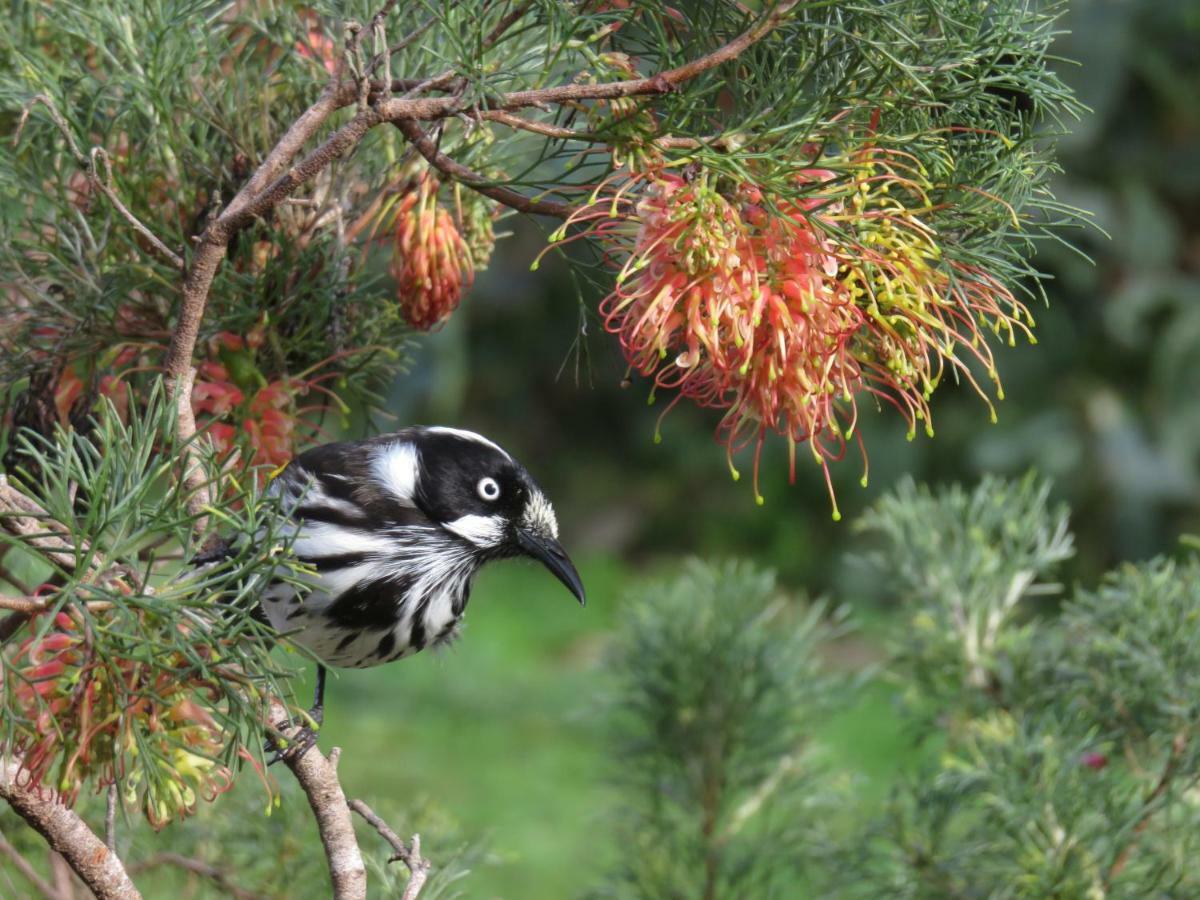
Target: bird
x=391, y=531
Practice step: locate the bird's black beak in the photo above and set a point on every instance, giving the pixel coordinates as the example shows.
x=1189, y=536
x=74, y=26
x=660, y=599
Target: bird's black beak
x=550, y=553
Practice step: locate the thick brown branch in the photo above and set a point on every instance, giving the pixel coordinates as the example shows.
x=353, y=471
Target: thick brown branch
x=69, y=835
x=474, y=180
x=410, y=855
x=319, y=781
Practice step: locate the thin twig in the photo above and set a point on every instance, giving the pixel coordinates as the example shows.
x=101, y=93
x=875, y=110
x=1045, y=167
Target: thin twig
x=68, y=834
x=503, y=25
x=197, y=867
x=395, y=48
x=64, y=884
x=90, y=165
x=472, y=179
x=418, y=866
x=28, y=872
x=547, y=129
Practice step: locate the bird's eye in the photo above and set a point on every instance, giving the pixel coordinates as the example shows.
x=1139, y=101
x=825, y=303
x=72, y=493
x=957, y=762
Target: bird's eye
x=488, y=488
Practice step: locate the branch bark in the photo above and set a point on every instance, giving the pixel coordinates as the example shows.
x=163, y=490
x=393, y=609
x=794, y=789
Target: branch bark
x=318, y=778
x=69, y=835
x=472, y=179
x=410, y=855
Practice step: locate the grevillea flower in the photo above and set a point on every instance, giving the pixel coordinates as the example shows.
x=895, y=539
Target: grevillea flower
x=268, y=421
x=316, y=44
x=430, y=261
x=784, y=311
x=108, y=720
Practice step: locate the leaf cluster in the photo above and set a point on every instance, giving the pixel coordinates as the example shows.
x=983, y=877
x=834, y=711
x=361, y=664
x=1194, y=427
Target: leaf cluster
x=719, y=681
x=1069, y=768
x=154, y=634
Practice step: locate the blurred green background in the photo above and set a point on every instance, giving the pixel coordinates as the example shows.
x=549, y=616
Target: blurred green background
x=502, y=739
x=503, y=733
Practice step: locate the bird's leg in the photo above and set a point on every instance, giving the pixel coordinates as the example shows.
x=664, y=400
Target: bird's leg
x=317, y=711
x=306, y=737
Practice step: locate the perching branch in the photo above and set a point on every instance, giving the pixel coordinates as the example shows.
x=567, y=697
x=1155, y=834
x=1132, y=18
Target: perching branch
x=410, y=855
x=69, y=835
x=318, y=778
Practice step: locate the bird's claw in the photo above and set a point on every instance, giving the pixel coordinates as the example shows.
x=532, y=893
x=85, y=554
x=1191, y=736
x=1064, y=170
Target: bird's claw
x=300, y=742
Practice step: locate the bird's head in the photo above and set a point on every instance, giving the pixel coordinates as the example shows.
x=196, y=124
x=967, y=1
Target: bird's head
x=470, y=487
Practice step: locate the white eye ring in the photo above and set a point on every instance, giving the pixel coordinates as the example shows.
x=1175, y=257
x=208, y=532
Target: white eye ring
x=488, y=489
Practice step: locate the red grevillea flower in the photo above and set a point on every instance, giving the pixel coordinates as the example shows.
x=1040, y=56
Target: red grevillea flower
x=268, y=422
x=430, y=261
x=785, y=311
x=316, y=44
x=89, y=719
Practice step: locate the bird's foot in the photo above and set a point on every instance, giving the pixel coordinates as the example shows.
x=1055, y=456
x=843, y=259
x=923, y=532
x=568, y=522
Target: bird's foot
x=303, y=739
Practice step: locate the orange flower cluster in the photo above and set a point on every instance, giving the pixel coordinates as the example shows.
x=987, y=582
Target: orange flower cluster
x=430, y=260
x=266, y=419
x=88, y=719
x=785, y=310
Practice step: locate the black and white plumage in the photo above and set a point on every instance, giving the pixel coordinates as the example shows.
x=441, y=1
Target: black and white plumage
x=396, y=527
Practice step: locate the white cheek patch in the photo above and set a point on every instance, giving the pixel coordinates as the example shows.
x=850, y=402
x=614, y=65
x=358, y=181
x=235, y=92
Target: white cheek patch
x=482, y=531
x=539, y=516
x=397, y=469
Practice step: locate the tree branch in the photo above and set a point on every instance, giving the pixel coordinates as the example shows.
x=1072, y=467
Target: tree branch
x=197, y=867
x=270, y=184
x=104, y=185
x=1149, y=806
x=69, y=835
x=28, y=872
x=472, y=179
x=418, y=865
x=318, y=778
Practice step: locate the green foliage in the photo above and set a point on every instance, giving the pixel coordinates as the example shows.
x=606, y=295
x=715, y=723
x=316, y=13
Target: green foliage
x=963, y=562
x=1068, y=770
x=719, y=684
x=1130, y=654
x=139, y=672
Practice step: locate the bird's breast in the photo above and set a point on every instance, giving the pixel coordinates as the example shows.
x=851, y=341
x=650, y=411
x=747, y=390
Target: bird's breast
x=367, y=609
